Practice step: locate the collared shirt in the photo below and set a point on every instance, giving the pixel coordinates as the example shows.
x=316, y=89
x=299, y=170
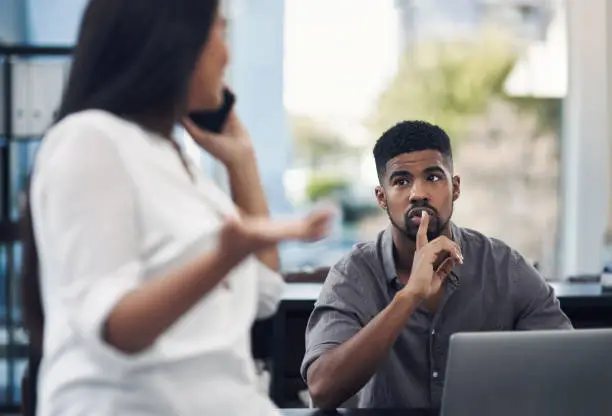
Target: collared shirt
x=495, y=289
x=114, y=209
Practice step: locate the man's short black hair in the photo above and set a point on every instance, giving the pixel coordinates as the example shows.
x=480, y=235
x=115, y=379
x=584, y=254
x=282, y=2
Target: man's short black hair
x=408, y=137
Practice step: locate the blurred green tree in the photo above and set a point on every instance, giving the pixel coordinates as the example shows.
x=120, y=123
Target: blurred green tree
x=450, y=83
x=324, y=186
x=314, y=142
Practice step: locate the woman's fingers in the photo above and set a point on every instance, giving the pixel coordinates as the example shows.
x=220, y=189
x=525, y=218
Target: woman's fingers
x=256, y=233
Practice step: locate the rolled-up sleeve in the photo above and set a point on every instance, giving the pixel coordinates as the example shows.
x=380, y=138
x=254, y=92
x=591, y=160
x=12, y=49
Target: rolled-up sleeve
x=86, y=223
x=536, y=306
x=339, y=313
x=270, y=286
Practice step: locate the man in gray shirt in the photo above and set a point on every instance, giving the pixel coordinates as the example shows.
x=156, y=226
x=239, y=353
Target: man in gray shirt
x=382, y=323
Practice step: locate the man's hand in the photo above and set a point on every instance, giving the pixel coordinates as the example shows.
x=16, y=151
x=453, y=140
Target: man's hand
x=424, y=281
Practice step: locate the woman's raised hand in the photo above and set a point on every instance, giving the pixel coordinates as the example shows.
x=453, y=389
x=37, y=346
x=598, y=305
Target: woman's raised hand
x=246, y=235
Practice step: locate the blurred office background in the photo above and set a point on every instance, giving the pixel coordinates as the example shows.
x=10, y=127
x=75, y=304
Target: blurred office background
x=522, y=87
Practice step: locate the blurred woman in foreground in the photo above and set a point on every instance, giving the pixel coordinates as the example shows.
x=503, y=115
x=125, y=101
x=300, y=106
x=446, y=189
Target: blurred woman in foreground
x=144, y=275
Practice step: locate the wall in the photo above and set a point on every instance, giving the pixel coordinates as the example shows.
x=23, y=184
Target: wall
x=53, y=21
x=12, y=21
x=608, y=238
x=256, y=75
x=585, y=172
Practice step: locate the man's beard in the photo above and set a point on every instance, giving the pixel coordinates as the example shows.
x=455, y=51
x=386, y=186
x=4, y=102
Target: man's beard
x=410, y=229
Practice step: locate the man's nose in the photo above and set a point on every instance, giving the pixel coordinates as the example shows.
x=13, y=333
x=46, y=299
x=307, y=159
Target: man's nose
x=419, y=192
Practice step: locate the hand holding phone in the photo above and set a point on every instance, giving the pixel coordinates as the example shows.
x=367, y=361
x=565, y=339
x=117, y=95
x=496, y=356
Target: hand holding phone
x=221, y=133
x=215, y=120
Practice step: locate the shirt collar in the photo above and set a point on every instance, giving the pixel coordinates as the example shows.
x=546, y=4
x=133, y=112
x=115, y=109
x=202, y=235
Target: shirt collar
x=388, y=262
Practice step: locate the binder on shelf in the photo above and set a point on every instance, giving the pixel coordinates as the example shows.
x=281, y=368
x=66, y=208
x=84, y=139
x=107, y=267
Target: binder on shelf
x=35, y=94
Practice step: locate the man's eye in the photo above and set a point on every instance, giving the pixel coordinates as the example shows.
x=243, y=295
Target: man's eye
x=434, y=178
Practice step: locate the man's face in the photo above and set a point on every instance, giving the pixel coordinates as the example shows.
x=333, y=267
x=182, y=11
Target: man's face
x=416, y=182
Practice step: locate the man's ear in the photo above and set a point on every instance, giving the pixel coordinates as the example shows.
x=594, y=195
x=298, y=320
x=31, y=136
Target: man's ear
x=456, y=187
x=379, y=191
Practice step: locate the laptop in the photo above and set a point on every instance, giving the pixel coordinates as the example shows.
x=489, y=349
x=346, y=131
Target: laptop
x=529, y=373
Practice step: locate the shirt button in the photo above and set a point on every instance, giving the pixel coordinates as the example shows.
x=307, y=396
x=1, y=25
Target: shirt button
x=435, y=374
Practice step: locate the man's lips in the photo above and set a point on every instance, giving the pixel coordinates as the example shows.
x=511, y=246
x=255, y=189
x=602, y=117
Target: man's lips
x=415, y=214
x=416, y=220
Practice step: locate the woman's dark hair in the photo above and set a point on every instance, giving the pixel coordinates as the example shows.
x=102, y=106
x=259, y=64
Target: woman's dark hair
x=133, y=58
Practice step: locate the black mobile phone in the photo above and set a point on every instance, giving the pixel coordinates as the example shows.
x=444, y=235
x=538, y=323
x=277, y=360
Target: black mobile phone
x=215, y=120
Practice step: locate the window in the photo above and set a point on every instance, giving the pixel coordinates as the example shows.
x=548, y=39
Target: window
x=345, y=85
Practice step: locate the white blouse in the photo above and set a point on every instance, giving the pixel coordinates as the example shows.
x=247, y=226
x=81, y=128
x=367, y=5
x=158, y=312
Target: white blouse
x=113, y=207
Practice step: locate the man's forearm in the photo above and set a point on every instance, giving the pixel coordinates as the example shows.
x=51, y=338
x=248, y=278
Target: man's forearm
x=340, y=373
x=248, y=194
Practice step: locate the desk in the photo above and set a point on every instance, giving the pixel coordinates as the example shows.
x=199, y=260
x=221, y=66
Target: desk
x=356, y=412
x=572, y=294
x=584, y=303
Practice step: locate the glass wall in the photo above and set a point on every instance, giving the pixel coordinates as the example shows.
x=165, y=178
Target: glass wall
x=353, y=68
